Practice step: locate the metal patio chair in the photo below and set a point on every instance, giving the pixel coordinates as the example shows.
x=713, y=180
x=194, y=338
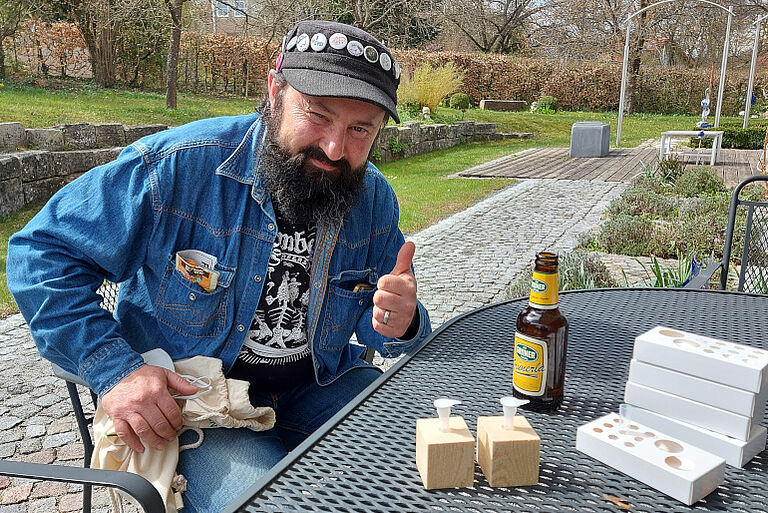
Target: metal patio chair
x=753, y=246
x=133, y=484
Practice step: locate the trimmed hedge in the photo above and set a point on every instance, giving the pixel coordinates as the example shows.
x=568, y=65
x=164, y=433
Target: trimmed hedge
x=734, y=136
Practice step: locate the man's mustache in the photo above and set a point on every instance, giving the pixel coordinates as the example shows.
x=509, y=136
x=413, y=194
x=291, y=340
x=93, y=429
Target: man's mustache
x=313, y=152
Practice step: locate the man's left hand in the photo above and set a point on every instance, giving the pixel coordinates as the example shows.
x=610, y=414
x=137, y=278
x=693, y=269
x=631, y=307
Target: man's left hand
x=396, y=294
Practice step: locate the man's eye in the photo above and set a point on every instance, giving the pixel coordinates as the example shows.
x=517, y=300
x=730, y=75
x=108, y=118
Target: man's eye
x=359, y=130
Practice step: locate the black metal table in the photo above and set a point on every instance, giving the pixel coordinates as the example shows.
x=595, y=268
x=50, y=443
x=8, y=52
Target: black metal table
x=363, y=460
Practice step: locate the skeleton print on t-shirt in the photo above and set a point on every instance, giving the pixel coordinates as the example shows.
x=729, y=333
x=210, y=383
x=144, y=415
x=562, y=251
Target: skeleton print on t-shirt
x=278, y=335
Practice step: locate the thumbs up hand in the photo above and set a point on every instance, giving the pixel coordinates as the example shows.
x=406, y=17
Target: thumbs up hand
x=394, y=303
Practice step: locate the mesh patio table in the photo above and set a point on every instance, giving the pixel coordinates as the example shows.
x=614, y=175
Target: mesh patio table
x=363, y=459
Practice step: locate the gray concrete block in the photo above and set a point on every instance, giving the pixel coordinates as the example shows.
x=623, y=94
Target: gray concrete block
x=11, y=136
x=79, y=136
x=109, y=135
x=442, y=144
x=41, y=191
x=136, y=132
x=35, y=165
x=504, y=105
x=9, y=167
x=50, y=139
x=11, y=196
x=590, y=139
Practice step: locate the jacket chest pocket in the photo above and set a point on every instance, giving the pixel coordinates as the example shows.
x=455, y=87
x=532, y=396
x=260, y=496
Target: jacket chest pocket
x=349, y=295
x=190, y=310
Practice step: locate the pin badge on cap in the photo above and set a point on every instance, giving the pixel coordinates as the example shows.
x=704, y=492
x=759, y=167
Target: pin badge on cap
x=282, y=48
x=318, y=42
x=397, y=70
x=385, y=61
x=302, y=43
x=338, y=41
x=371, y=55
x=291, y=44
x=355, y=48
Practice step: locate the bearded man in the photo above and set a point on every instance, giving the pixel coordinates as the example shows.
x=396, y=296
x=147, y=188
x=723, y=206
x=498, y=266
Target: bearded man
x=264, y=240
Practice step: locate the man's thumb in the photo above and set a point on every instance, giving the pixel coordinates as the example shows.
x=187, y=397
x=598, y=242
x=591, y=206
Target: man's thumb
x=179, y=384
x=404, y=258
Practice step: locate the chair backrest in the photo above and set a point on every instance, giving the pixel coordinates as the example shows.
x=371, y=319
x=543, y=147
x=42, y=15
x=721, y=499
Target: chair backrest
x=748, y=241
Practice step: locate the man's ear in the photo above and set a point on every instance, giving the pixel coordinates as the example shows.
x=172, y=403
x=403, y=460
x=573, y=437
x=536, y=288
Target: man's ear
x=272, y=88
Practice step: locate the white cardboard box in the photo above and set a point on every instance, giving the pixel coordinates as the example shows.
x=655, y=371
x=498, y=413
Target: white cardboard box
x=714, y=394
x=680, y=408
x=735, y=452
x=673, y=467
x=724, y=362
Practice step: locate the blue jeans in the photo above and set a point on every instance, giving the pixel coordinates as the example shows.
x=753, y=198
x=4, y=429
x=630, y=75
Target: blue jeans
x=231, y=460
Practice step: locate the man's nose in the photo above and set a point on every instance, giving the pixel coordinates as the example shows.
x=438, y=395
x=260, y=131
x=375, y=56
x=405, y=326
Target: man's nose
x=333, y=143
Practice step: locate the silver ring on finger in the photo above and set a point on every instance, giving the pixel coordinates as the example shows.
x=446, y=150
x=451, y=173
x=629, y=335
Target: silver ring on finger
x=386, y=317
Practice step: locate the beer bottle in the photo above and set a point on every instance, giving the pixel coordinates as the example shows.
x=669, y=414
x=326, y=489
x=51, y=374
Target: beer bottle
x=541, y=340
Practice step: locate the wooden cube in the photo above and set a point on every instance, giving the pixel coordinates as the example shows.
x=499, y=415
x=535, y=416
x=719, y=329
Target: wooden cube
x=445, y=459
x=508, y=457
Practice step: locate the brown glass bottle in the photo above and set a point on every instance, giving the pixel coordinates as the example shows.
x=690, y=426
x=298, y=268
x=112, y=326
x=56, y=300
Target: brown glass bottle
x=541, y=341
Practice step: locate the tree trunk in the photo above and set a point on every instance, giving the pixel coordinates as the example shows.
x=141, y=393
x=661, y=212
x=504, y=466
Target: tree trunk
x=636, y=50
x=2, y=60
x=173, y=52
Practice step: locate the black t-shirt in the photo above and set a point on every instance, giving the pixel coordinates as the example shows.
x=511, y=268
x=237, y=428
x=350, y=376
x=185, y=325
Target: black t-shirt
x=276, y=354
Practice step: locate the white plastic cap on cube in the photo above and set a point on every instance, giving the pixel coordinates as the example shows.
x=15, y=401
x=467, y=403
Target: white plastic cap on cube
x=443, y=405
x=510, y=405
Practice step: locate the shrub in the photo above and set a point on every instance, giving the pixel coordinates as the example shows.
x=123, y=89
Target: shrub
x=640, y=200
x=669, y=169
x=429, y=85
x=547, y=103
x=626, y=234
x=459, y=101
x=697, y=180
x=577, y=269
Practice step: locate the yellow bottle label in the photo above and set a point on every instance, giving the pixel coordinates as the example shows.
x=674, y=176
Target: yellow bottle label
x=529, y=375
x=544, y=289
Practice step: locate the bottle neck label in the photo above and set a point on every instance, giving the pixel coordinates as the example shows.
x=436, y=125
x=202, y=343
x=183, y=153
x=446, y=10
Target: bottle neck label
x=529, y=375
x=544, y=290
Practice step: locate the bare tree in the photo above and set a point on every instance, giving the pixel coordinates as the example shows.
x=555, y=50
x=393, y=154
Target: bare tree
x=492, y=25
x=175, y=10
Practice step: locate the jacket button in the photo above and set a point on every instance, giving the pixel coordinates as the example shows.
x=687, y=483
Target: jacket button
x=240, y=327
x=257, y=278
x=192, y=296
x=317, y=284
x=271, y=226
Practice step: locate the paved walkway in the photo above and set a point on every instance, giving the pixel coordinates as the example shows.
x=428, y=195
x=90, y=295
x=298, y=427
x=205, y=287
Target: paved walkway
x=462, y=262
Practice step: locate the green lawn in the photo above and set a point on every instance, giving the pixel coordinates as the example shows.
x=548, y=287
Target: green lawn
x=37, y=107
x=8, y=226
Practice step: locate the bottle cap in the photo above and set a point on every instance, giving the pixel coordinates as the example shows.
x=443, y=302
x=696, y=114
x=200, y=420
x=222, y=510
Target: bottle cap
x=510, y=405
x=443, y=405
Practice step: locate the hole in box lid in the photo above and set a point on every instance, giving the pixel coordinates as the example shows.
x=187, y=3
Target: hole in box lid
x=671, y=333
x=679, y=463
x=684, y=342
x=668, y=446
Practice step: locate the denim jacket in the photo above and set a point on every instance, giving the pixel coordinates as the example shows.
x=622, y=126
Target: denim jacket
x=192, y=187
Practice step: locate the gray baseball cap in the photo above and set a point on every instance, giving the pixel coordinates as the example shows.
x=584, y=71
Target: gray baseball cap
x=325, y=58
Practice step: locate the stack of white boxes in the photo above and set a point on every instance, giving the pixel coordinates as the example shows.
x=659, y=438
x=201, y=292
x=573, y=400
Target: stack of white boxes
x=693, y=404
x=708, y=392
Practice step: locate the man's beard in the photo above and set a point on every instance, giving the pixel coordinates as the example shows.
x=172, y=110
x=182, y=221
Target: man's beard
x=301, y=192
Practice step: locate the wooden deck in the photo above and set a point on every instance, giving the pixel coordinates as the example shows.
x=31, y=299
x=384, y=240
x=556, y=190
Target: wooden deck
x=621, y=165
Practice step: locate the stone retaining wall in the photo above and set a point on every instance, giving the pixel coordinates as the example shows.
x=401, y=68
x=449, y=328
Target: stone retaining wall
x=36, y=162
x=50, y=158
x=413, y=138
